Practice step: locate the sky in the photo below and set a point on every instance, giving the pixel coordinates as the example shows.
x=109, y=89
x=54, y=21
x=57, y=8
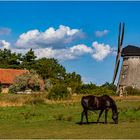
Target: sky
x=81, y=35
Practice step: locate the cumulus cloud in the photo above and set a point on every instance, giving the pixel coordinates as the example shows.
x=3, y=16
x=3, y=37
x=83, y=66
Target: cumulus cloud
x=56, y=39
x=80, y=49
x=101, y=33
x=64, y=54
x=4, y=44
x=98, y=52
x=55, y=43
x=101, y=51
x=5, y=31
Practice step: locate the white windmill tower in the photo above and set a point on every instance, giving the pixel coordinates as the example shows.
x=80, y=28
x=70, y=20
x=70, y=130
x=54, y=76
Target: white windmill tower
x=130, y=69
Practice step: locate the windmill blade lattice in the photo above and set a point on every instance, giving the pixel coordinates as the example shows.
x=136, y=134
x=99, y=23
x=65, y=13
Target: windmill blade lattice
x=120, y=42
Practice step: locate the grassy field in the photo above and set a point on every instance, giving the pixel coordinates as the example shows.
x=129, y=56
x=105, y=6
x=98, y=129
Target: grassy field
x=60, y=120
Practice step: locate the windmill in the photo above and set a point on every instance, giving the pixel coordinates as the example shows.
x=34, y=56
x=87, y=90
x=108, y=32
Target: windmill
x=130, y=69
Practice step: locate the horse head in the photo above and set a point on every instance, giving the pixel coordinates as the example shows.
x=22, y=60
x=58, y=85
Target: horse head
x=115, y=117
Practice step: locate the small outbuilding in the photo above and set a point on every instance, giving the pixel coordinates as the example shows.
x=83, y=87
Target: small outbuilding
x=7, y=77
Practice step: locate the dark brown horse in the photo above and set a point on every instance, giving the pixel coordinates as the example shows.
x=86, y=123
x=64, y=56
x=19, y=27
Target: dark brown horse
x=103, y=103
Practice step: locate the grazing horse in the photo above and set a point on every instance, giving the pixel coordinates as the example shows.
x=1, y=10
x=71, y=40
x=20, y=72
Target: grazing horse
x=102, y=103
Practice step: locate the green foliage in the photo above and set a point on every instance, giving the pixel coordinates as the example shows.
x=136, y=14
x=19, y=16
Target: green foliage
x=132, y=91
x=9, y=59
x=86, y=88
x=96, y=90
x=103, y=90
x=110, y=86
x=30, y=80
x=28, y=60
x=73, y=81
x=48, y=68
x=59, y=92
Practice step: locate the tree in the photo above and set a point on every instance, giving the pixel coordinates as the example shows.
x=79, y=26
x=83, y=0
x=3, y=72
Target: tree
x=86, y=88
x=28, y=60
x=73, y=81
x=49, y=69
x=9, y=59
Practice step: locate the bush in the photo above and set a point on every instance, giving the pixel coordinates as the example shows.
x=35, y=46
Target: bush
x=59, y=92
x=132, y=91
x=30, y=80
x=86, y=88
x=110, y=86
x=102, y=91
x=95, y=90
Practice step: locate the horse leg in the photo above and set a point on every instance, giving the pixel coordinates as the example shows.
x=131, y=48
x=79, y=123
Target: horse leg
x=100, y=115
x=106, y=112
x=86, y=113
x=82, y=115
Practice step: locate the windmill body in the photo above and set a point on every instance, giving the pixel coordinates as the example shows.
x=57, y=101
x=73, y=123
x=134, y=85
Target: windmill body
x=130, y=69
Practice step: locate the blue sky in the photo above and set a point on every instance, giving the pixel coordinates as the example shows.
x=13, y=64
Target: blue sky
x=81, y=35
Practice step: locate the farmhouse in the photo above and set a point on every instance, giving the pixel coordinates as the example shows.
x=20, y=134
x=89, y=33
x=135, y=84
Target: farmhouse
x=7, y=77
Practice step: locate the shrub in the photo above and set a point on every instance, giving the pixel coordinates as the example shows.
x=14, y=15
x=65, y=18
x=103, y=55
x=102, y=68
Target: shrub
x=30, y=80
x=110, y=86
x=96, y=90
x=132, y=91
x=59, y=92
x=102, y=91
x=86, y=88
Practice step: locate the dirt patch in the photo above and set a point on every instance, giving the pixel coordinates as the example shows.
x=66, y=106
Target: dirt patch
x=126, y=98
x=74, y=99
x=5, y=104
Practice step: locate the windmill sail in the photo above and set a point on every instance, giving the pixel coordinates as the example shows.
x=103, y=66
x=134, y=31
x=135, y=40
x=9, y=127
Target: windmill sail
x=120, y=41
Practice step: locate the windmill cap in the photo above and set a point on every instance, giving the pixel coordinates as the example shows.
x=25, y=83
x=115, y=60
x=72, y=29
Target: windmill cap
x=130, y=50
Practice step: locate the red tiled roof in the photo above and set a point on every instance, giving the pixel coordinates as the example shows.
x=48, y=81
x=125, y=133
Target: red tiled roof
x=7, y=76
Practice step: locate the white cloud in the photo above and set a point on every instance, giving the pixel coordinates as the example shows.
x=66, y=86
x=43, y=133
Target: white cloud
x=56, y=39
x=54, y=44
x=5, y=31
x=4, y=44
x=101, y=51
x=64, y=54
x=80, y=49
x=98, y=52
x=101, y=33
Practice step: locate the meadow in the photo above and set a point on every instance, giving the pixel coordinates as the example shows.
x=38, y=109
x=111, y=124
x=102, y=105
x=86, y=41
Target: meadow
x=59, y=119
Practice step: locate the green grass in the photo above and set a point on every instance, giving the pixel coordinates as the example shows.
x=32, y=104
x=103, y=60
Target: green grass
x=60, y=121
